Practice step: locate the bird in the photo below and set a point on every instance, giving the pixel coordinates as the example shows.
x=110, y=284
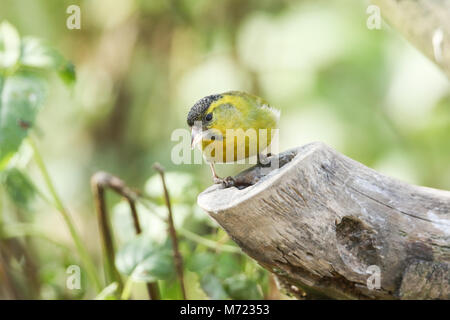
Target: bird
x=231, y=126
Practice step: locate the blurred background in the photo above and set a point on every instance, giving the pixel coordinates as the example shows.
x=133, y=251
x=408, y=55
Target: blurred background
x=141, y=65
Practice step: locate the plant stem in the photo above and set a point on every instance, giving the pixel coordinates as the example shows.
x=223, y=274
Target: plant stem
x=98, y=183
x=126, y=292
x=172, y=232
x=82, y=251
x=134, y=215
x=208, y=243
x=101, y=181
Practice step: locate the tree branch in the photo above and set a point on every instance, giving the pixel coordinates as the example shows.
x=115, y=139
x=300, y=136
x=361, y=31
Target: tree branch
x=426, y=24
x=321, y=220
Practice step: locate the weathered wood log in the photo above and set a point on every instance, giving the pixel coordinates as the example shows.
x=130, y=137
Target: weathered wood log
x=321, y=222
x=425, y=23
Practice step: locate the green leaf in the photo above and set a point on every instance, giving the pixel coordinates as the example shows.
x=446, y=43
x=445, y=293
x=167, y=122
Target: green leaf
x=9, y=45
x=152, y=226
x=21, y=96
x=18, y=187
x=145, y=260
x=37, y=54
x=67, y=73
x=181, y=185
x=201, y=263
x=193, y=288
x=240, y=287
x=213, y=287
x=227, y=265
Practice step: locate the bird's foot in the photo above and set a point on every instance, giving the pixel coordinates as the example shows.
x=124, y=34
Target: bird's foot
x=228, y=182
x=225, y=182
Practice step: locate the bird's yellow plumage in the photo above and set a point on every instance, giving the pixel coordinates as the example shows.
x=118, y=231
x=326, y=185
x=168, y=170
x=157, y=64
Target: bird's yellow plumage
x=232, y=126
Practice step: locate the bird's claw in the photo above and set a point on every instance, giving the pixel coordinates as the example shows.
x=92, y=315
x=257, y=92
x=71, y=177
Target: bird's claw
x=225, y=182
x=228, y=182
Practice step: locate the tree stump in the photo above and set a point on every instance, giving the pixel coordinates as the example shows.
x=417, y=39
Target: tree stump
x=325, y=225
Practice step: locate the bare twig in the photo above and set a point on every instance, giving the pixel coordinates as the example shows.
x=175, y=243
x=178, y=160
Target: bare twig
x=172, y=232
x=101, y=181
x=98, y=184
x=134, y=215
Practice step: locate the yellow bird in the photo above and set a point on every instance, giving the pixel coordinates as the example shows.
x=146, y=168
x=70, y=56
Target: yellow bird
x=232, y=126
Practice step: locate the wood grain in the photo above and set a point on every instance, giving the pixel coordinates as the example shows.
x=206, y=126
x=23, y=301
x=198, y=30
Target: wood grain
x=321, y=219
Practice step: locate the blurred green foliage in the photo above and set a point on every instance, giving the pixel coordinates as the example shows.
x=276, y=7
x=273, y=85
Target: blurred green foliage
x=140, y=67
x=18, y=187
x=146, y=261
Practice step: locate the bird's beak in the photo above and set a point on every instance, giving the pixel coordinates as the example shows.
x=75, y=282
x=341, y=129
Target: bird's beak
x=196, y=136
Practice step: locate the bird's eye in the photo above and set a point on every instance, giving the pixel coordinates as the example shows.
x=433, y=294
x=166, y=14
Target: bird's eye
x=213, y=138
x=209, y=117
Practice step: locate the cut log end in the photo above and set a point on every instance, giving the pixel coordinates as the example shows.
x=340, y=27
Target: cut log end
x=327, y=225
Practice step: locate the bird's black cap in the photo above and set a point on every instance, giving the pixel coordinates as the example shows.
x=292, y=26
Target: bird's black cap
x=200, y=107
